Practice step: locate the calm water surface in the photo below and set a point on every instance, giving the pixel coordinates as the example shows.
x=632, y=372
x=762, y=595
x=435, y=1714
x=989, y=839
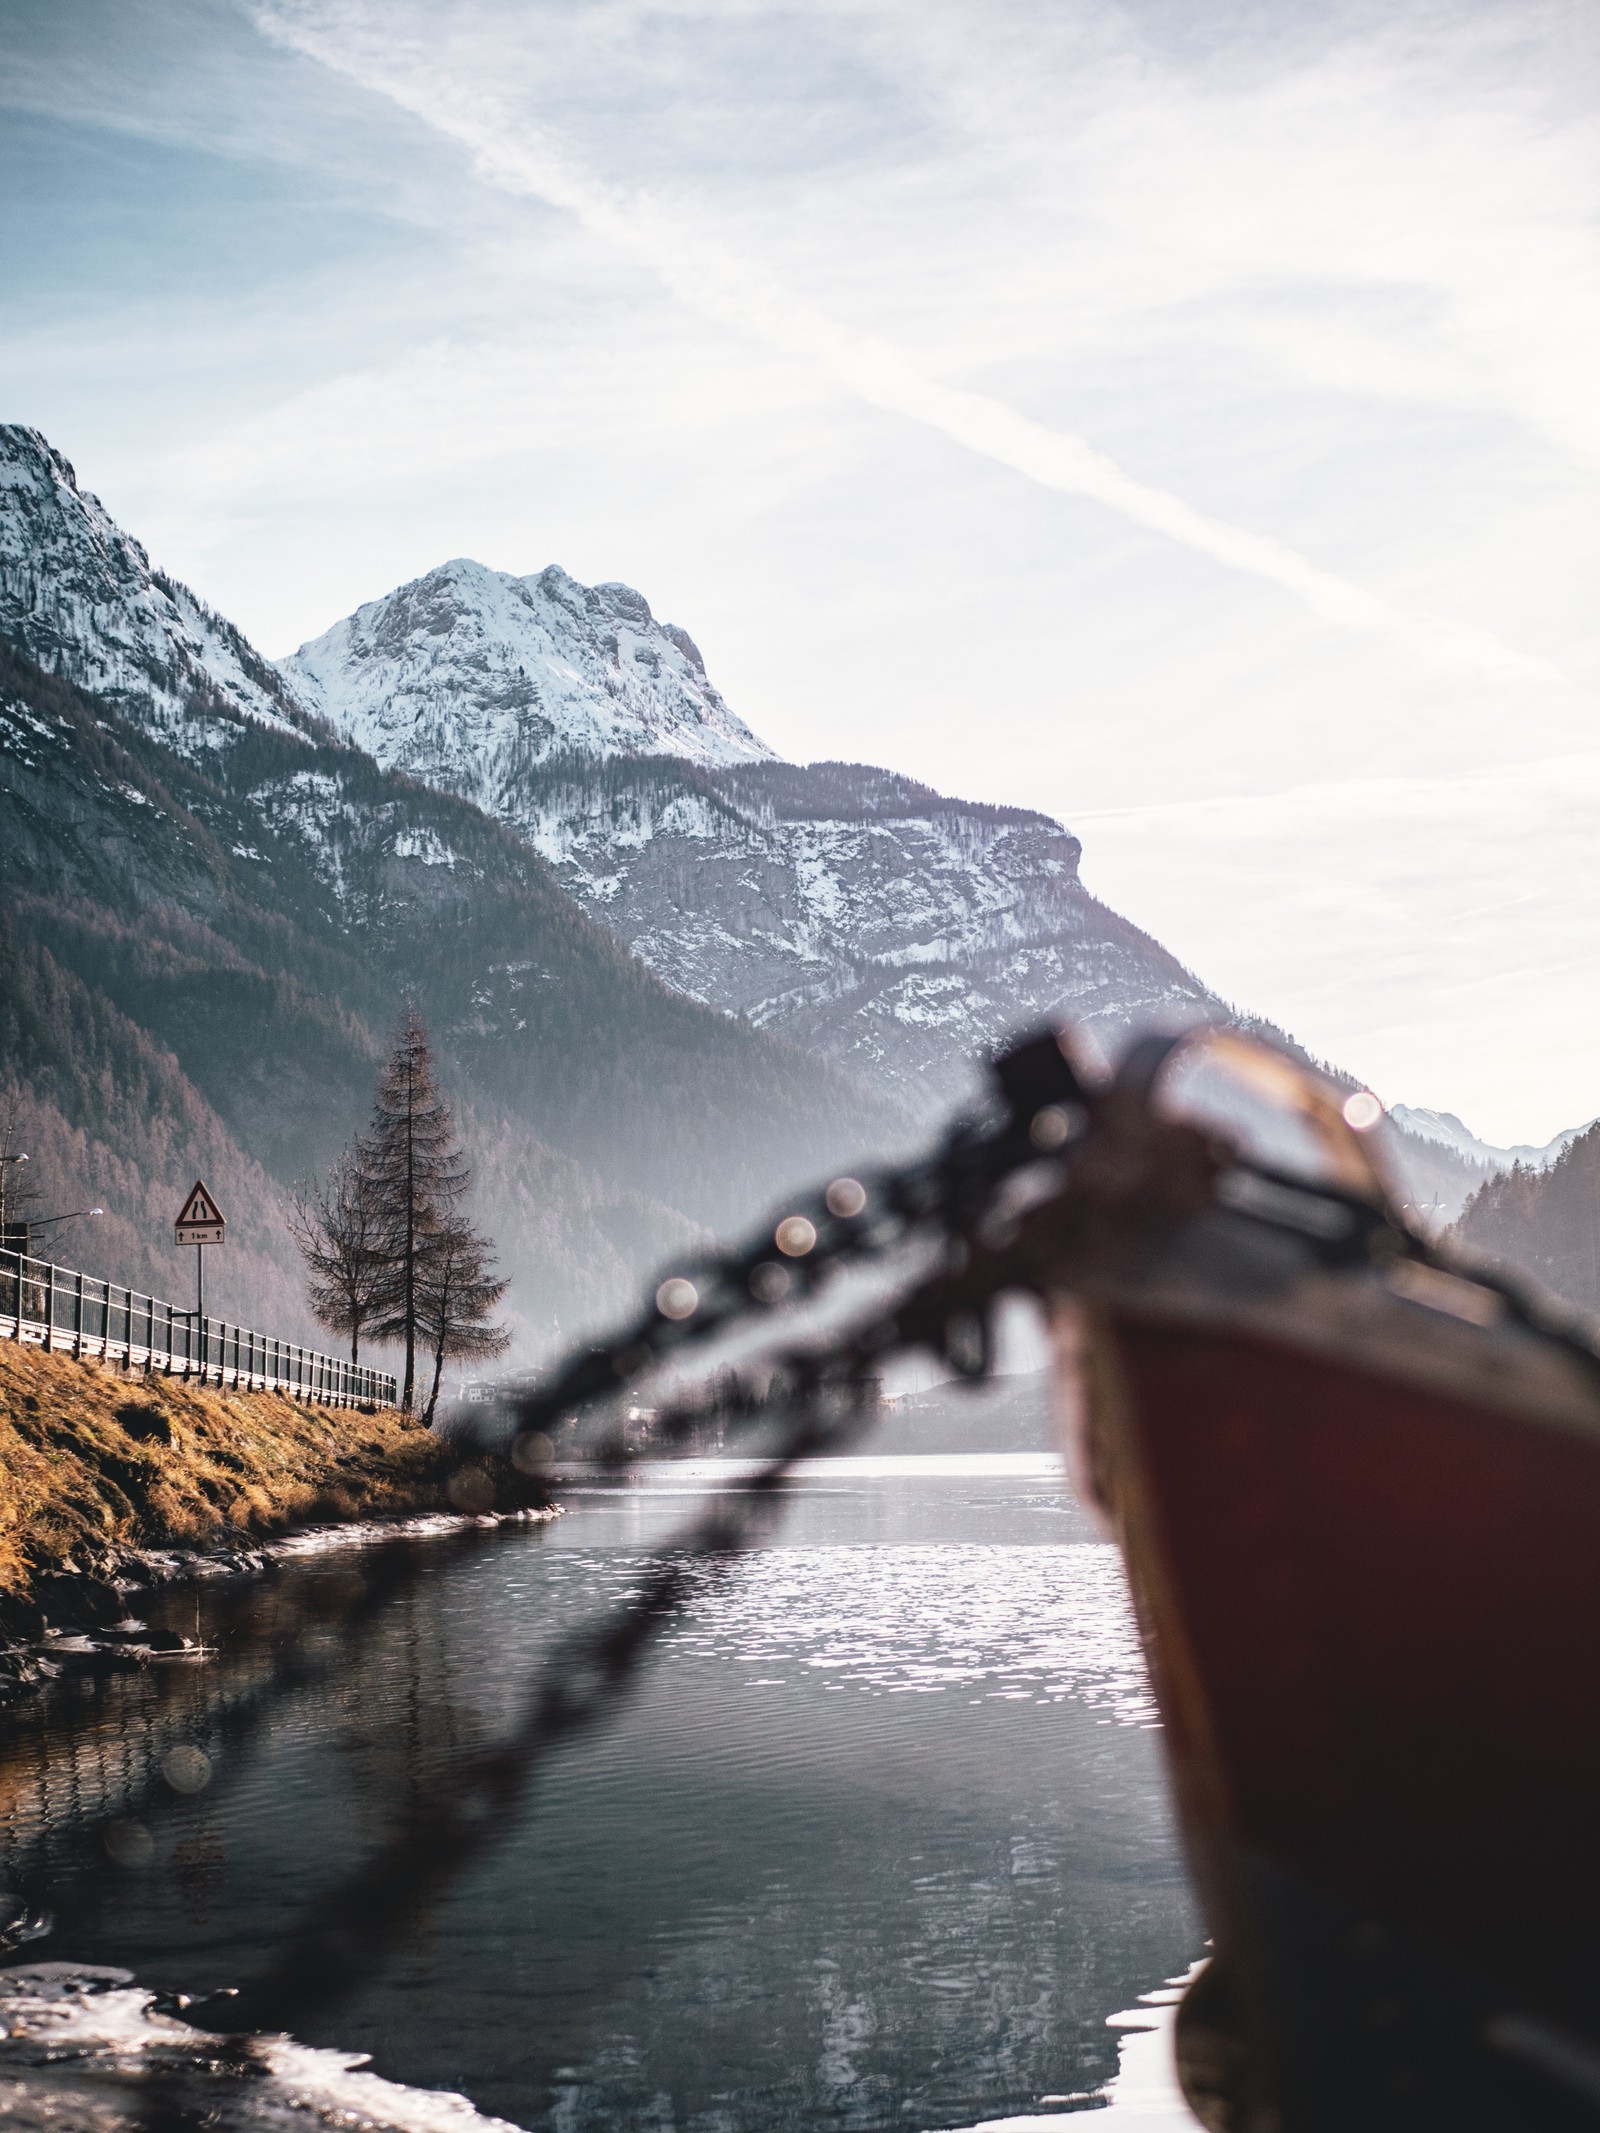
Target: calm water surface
x=882, y=1841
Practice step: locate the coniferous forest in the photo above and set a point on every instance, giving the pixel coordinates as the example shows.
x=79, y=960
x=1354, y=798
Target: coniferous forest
x=1544, y=1222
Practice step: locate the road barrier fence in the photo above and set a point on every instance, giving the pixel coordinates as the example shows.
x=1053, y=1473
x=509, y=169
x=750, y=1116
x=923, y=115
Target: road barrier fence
x=58, y=1309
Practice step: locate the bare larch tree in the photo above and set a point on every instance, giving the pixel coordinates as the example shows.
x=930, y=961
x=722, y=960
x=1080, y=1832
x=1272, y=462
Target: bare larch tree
x=457, y=1293
x=339, y=1228
x=387, y=1251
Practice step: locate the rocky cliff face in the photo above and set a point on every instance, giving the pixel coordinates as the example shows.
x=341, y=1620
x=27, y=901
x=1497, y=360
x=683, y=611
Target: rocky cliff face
x=876, y=922
x=883, y=927
x=200, y=966
x=872, y=921
x=79, y=597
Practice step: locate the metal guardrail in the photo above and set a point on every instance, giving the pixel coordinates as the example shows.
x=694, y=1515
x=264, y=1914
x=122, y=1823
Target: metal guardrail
x=61, y=1310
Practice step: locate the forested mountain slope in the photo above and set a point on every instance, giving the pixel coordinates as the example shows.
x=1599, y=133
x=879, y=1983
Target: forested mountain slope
x=206, y=945
x=1544, y=1222
x=887, y=928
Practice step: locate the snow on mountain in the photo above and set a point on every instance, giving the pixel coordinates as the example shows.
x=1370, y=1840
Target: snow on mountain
x=857, y=913
x=469, y=677
x=862, y=915
x=1448, y=1131
x=79, y=596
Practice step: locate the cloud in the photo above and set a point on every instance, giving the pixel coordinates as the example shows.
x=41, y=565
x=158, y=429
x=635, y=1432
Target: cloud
x=517, y=157
x=1330, y=271
x=1433, y=175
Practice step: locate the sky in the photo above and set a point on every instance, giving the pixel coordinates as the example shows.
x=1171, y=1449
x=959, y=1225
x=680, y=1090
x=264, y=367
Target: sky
x=1180, y=418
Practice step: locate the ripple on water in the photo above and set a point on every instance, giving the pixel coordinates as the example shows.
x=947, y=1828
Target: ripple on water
x=1011, y=1622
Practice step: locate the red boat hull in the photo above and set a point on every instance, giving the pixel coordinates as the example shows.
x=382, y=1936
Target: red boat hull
x=1371, y=1610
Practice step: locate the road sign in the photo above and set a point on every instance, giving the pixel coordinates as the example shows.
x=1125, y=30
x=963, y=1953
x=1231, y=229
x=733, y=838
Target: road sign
x=199, y=1219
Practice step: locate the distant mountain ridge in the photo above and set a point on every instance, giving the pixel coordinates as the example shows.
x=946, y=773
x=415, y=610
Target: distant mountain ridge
x=884, y=927
x=890, y=929
x=211, y=910
x=1445, y=1129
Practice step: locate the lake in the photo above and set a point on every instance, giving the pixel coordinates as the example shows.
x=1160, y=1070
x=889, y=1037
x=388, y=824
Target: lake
x=881, y=1840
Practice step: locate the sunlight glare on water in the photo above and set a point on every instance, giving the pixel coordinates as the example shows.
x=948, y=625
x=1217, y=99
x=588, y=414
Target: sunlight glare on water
x=1007, y=1622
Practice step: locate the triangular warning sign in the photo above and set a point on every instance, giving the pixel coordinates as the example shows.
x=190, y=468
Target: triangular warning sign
x=199, y=1207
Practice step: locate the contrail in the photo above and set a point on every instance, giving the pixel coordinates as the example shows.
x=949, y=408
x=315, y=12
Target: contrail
x=518, y=158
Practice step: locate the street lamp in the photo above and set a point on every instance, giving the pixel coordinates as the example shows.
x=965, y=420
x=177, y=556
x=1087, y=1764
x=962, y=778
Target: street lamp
x=78, y=1215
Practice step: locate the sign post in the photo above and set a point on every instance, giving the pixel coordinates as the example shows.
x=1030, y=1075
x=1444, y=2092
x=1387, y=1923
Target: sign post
x=199, y=1223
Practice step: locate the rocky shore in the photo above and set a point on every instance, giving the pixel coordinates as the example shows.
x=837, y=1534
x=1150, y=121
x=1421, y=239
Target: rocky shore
x=112, y=1484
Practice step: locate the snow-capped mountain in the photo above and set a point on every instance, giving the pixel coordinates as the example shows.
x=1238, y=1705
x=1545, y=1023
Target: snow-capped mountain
x=468, y=678
x=854, y=911
x=857, y=913
x=1445, y=1129
x=222, y=877
x=79, y=597
x=214, y=908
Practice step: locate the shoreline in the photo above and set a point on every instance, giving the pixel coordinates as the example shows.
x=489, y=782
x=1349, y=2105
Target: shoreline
x=101, y=2024
x=113, y=1485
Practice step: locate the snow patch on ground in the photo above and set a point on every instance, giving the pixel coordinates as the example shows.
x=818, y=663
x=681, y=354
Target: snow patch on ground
x=87, y=2048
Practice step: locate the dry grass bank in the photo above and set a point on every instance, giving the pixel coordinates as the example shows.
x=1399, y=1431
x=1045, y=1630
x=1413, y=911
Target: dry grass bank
x=94, y=1464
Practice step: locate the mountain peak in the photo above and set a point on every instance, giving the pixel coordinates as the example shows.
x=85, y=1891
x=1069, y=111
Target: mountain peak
x=623, y=600
x=29, y=461
x=80, y=598
x=468, y=676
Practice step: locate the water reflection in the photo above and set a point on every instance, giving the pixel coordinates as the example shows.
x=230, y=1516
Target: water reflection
x=881, y=1841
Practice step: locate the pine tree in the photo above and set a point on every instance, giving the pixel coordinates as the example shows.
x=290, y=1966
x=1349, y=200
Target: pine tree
x=415, y=1172
x=341, y=1234
x=457, y=1292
